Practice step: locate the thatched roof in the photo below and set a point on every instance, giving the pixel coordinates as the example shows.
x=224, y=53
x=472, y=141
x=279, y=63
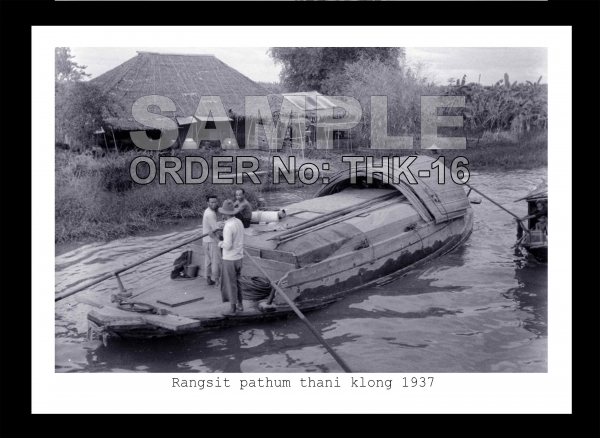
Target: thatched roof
x=182, y=78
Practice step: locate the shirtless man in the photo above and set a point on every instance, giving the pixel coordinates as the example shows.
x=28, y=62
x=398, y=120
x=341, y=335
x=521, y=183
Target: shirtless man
x=242, y=207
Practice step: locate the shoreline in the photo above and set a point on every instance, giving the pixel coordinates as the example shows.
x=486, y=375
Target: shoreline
x=178, y=225
x=97, y=201
x=187, y=224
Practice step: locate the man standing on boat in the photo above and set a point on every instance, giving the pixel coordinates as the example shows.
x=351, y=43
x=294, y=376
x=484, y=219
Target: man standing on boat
x=243, y=207
x=233, y=253
x=212, y=253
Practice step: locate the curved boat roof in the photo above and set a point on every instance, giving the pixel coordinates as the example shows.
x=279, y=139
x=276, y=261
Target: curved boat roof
x=432, y=200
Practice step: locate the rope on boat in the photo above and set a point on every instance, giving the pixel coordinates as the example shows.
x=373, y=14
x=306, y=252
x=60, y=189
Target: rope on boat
x=255, y=288
x=134, y=306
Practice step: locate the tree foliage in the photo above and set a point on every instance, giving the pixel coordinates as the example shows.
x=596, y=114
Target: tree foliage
x=503, y=106
x=80, y=107
x=319, y=68
x=65, y=69
x=402, y=87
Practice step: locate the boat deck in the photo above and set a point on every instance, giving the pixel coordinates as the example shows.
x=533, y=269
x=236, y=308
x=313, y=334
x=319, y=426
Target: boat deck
x=187, y=302
x=192, y=303
x=256, y=236
x=191, y=306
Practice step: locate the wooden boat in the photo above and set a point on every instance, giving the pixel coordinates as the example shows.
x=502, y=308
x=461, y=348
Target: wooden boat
x=535, y=241
x=348, y=236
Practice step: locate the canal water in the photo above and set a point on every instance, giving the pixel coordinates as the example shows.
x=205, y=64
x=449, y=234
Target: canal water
x=480, y=308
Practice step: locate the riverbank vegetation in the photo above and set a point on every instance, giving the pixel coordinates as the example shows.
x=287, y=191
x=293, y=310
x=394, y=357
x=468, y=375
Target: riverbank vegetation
x=505, y=126
x=96, y=198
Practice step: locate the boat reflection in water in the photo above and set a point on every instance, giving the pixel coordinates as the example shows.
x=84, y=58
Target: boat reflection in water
x=531, y=294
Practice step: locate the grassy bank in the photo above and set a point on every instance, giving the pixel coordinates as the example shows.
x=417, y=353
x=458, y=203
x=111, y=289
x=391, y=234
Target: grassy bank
x=498, y=151
x=97, y=200
x=503, y=151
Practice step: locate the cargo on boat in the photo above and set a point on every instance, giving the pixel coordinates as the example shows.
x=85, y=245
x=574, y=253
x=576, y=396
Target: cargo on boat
x=535, y=238
x=348, y=236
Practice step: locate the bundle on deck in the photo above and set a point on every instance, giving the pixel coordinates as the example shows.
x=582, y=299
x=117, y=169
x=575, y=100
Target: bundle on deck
x=255, y=288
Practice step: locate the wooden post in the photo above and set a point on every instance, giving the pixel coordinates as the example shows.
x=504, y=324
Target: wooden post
x=121, y=287
x=114, y=139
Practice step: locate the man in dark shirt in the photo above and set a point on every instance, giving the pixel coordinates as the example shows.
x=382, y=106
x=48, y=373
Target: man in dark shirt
x=242, y=207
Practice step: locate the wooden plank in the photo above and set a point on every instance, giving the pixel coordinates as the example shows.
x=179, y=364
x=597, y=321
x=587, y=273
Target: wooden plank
x=330, y=267
x=171, y=322
x=90, y=301
x=120, y=324
x=107, y=314
x=278, y=256
x=452, y=215
x=179, y=300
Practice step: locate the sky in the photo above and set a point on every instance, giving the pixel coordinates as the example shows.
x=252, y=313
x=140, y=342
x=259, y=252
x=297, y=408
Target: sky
x=521, y=63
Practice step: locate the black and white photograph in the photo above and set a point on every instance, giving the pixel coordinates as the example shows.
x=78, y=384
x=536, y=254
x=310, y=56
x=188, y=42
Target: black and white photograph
x=341, y=268
x=256, y=212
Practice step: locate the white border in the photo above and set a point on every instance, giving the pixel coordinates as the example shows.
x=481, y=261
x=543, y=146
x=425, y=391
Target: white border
x=151, y=393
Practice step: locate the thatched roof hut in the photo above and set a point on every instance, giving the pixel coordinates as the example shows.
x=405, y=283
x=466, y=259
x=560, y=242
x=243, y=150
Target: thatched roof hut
x=312, y=104
x=183, y=78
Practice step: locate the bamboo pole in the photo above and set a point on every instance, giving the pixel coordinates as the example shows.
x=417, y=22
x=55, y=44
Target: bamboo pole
x=334, y=221
x=497, y=204
x=297, y=311
x=116, y=273
x=328, y=216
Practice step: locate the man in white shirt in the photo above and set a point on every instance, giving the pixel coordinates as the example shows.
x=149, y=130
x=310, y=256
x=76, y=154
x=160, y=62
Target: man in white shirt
x=212, y=253
x=233, y=253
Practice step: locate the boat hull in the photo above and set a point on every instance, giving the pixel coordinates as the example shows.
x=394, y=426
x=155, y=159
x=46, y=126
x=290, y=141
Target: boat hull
x=335, y=277
x=99, y=325
x=350, y=235
x=316, y=286
x=540, y=252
